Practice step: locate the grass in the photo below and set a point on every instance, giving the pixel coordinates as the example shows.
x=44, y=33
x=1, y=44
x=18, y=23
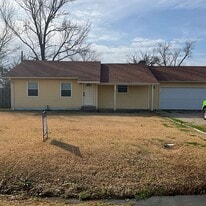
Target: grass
x=196, y=144
x=201, y=128
x=84, y=195
x=91, y=156
x=142, y=194
x=18, y=201
x=185, y=125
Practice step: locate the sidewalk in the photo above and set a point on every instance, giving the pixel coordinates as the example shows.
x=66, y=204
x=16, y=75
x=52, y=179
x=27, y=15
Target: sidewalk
x=190, y=200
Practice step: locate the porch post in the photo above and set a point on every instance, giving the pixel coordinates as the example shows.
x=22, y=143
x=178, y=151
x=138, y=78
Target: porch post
x=83, y=94
x=152, y=98
x=115, y=97
x=96, y=94
x=12, y=95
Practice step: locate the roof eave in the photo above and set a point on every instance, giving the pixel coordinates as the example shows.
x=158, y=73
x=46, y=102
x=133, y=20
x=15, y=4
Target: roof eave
x=88, y=82
x=42, y=77
x=192, y=81
x=126, y=83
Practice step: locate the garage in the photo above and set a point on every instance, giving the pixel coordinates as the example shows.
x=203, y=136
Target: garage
x=188, y=98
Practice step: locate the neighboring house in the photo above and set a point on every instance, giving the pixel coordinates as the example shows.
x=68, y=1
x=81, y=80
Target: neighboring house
x=39, y=85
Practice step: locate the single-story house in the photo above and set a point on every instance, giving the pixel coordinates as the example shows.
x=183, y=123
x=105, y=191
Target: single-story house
x=64, y=85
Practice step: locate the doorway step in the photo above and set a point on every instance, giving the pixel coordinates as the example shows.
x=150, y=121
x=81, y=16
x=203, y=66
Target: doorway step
x=89, y=108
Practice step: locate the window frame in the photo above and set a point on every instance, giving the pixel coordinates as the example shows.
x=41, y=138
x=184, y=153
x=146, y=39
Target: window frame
x=122, y=92
x=68, y=90
x=33, y=89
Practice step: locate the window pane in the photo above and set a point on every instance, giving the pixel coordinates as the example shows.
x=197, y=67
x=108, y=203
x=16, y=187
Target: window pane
x=65, y=86
x=32, y=92
x=66, y=93
x=32, y=85
x=66, y=89
x=122, y=88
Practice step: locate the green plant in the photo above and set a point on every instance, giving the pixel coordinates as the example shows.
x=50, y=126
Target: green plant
x=196, y=144
x=84, y=195
x=142, y=194
x=25, y=183
x=166, y=125
x=183, y=125
x=201, y=128
x=178, y=121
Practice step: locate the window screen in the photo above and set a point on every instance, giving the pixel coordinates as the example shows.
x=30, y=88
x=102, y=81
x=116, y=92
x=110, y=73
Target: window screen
x=122, y=88
x=66, y=89
x=33, y=89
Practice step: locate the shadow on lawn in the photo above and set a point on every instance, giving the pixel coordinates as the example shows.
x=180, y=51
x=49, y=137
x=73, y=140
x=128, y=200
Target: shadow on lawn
x=71, y=148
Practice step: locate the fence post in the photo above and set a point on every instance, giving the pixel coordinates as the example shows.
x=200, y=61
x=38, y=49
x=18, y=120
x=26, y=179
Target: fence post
x=44, y=126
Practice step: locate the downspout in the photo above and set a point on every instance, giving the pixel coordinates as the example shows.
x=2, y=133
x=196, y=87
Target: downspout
x=12, y=95
x=115, y=98
x=152, y=98
x=97, y=103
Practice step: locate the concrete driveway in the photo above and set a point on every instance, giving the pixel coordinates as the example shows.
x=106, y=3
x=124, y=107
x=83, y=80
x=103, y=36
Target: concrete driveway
x=194, y=117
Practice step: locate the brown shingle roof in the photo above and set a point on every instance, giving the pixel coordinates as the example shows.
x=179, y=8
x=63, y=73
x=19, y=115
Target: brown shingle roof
x=126, y=74
x=83, y=71
x=180, y=74
x=107, y=73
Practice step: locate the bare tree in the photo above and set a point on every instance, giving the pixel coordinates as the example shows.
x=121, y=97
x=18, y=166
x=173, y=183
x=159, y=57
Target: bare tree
x=6, y=49
x=148, y=57
x=5, y=40
x=45, y=29
x=87, y=55
x=187, y=51
x=134, y=58
x=165, y=54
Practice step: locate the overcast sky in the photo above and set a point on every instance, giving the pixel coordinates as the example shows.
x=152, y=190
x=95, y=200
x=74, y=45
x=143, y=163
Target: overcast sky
x=120, y=28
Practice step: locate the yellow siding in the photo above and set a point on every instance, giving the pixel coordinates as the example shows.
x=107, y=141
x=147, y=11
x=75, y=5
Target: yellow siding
x=105, y=97
x=49, y=94
x=137, y=97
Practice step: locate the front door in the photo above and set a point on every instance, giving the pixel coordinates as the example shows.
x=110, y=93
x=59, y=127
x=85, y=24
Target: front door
x=88, y=95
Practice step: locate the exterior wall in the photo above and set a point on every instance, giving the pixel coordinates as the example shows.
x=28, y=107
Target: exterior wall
x=157, y=89
x=49, y=94
x=105, y=97
x=137, y=97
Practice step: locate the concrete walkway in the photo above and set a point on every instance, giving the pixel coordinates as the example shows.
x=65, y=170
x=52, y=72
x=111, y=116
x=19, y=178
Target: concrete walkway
x=190, y=200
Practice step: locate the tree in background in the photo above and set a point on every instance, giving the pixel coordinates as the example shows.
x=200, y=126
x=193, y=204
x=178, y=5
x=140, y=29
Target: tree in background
x=6, y=37
x=5, y=41
x=165, y=54
x=87, y=55
x=45, y=28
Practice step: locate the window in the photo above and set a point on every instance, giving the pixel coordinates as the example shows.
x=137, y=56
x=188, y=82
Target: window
x=66, y=90
x=122, y=88
x=33, y=89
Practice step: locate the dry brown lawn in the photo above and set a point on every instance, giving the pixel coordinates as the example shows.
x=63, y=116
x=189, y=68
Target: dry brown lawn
x=17, y=201
x=99, y=155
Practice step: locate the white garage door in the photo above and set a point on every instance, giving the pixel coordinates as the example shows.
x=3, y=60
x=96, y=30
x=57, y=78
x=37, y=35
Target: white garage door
x=182, y=98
